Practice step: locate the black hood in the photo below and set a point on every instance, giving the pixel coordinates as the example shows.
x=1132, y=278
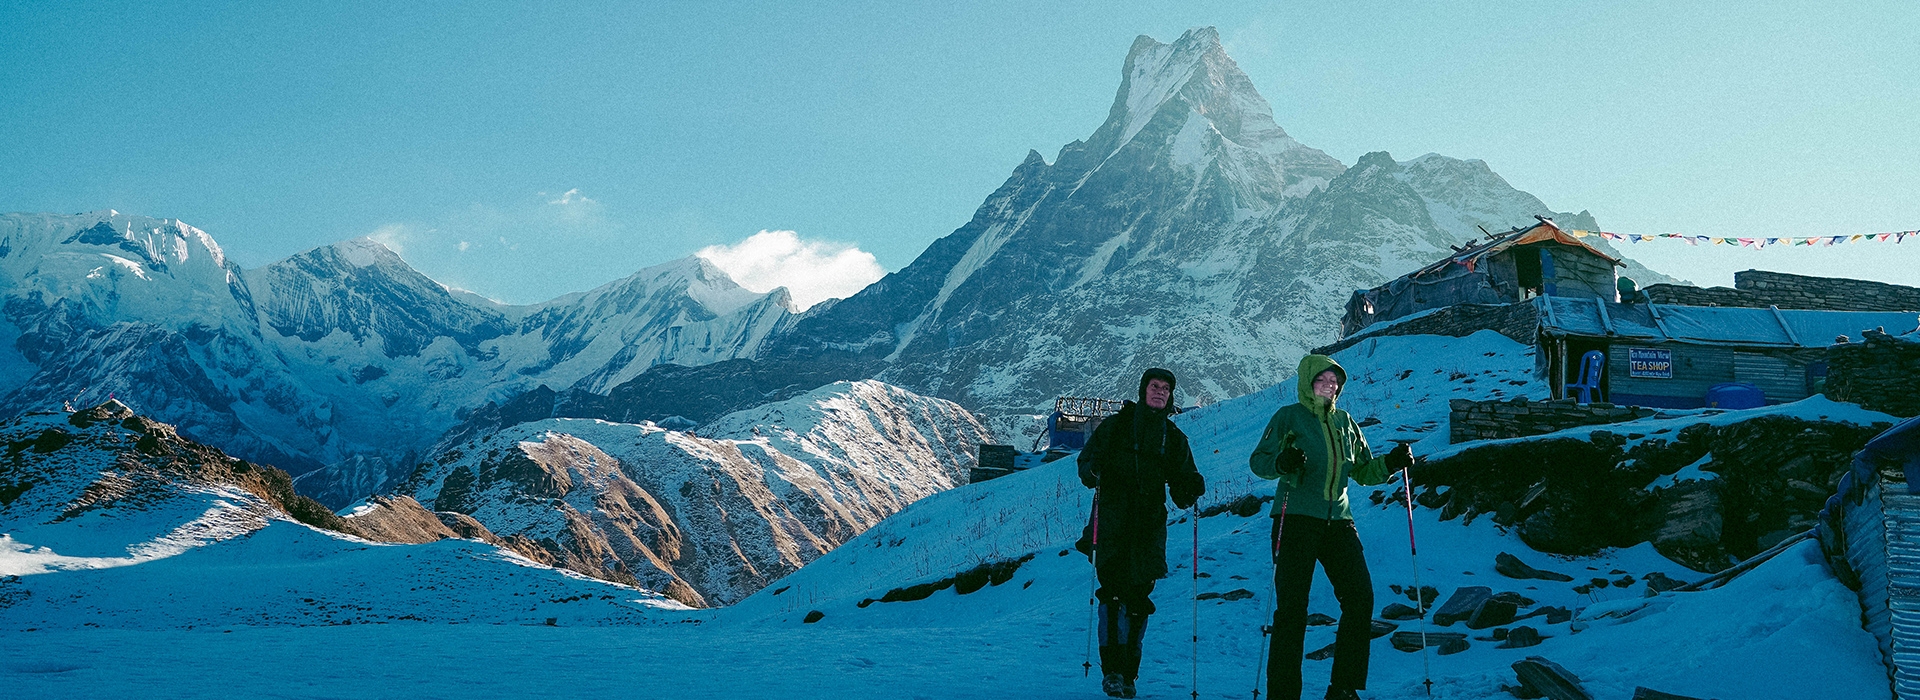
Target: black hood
x=1162, y=375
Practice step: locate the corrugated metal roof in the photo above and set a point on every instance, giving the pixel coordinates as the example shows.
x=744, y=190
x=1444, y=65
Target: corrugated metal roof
x=1870, y=534
x=1543, y=232
x=1714, y=324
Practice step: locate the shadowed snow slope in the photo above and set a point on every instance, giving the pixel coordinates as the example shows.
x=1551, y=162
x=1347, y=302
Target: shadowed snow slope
x=712, y=517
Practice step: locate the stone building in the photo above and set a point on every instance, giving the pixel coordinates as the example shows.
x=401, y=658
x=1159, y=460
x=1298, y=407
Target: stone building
x=1525, y=263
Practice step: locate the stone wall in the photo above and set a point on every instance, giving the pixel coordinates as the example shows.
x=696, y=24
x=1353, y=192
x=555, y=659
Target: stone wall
x=1760, y=289
x=1516, y=321
x=1836, y=293
x=1881, y=373
x=1521, y=417
x=1688, y=295
x=1759, y=481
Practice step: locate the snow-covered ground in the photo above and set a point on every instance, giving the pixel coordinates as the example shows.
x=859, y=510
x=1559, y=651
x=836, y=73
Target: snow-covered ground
x=1786, y=630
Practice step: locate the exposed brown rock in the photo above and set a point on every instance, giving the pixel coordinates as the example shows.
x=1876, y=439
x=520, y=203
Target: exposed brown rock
x=398, y=519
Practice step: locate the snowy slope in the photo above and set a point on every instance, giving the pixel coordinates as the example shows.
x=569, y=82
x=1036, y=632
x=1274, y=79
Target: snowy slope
x=288, y=574
x=1780, y=633
x=110, y=519
x=713, y=516
x=1786, y=630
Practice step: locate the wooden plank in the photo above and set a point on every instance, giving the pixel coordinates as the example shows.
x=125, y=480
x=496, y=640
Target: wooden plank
x=1695, y=369
x=1779, y=378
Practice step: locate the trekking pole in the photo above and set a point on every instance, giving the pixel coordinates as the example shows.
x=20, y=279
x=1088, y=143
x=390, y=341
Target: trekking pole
x=1273, y=598
x=1194, y=513
x=1093, y=584
x=1413, y=552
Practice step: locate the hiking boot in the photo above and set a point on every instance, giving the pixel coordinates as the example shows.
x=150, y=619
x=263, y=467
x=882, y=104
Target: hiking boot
x=1112, y=684
x=1338, y=694
x=1126, y=688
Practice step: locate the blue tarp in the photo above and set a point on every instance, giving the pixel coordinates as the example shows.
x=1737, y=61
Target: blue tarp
x=1899, y=446
x=1715, y=324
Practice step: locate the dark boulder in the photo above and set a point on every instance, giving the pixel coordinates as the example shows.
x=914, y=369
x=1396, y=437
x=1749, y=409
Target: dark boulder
x=1446, y=642
x=1549, y=679
x=1518, y=601
x=1491, y=613
x=1399, y=611
x=1554, y=614
x=1461, y=604
x=51, y=440
x=1522, y=636
x=1660, y=583
x=1644, y=693
x=1510, y=566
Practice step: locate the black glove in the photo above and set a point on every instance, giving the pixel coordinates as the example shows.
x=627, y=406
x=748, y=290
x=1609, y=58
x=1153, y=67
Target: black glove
x=1291, y=461
x=1187, y=490
x=1400, y=458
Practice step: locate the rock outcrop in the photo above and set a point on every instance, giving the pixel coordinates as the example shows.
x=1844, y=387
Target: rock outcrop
x=706, y=518
x=1707, y=491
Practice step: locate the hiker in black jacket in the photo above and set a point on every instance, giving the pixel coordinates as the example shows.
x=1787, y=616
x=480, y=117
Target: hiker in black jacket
x=1133, y=461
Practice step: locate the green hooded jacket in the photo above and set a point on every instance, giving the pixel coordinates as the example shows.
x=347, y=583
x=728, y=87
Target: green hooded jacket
x=1332, y=442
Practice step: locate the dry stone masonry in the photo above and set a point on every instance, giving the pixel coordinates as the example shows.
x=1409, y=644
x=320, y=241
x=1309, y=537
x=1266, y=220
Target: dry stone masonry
x=1881, y=373
x=1521, y=417
x=1760, y=289
x=1517, y=321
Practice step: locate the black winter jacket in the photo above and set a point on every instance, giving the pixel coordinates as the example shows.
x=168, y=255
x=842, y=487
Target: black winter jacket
x=1136, y=458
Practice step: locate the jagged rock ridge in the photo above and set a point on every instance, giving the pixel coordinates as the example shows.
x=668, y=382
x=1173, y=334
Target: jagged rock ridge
x=709, y=517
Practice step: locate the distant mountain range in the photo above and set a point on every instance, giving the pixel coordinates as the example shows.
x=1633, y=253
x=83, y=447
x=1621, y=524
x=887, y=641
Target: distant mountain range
x=341, y=353
x=1188, y=231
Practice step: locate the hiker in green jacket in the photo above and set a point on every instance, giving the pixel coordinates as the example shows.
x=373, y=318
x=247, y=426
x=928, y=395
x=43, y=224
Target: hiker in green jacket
x=1313, y=448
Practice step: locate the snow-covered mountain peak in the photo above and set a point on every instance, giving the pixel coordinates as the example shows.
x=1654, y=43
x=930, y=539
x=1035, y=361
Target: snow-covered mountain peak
x=1193, y=66
x=364, y=252
x=1189, y=105
x=697, y=277
x=154, y=241
x=1195, y=83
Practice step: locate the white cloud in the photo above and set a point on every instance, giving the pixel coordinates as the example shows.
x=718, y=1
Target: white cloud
x=393, y=236
x=571, y=196
x=812, y=271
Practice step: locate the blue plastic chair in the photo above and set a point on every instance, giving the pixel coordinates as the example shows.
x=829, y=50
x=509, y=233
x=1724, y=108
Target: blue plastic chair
x=1589, y=382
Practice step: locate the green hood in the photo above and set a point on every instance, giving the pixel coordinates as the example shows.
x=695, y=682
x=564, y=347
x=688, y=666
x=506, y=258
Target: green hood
x=1311, y=366
x=1335, y=451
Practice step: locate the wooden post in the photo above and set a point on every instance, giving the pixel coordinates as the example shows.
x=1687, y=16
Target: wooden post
x=1560, y=378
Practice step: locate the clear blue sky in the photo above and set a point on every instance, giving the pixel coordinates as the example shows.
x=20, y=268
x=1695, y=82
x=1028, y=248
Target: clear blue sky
x=283, y=126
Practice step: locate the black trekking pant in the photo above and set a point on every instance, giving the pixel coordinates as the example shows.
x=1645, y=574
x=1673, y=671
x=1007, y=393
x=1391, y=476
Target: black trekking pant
x=1299, y=541
x=1123, y=625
